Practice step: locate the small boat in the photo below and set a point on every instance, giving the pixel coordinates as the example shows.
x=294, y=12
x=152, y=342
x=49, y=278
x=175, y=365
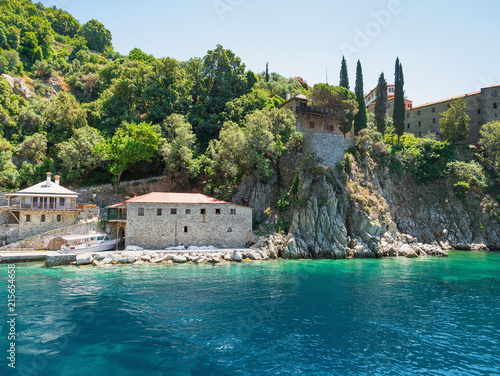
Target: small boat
x=87, y=243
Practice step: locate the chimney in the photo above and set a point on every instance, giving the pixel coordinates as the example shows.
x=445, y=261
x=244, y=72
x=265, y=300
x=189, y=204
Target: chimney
x=49, y=181
x=288, y=95
x=57, y=179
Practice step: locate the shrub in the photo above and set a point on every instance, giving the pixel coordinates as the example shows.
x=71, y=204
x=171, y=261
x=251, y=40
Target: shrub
x=467, y=172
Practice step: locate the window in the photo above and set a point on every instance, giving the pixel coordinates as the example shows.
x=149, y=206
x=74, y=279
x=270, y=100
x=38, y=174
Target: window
x=188, y=211
x=28, y=218
x=158, y=212
x=311, y=124
x=433, y=109
x=419, y=124
x=494, y=105
x=494, y=93
x=185, y=229
x=408, y=126
x=418, y=113
x=62, y=201
x=43, y=218
x=233, y=211
x=388, y=105
x=419, y=134
x=203, y=212
x=433, y=120
x=331, y=127
x=173, y=211
x=140, y=212
x=407, y=116
x=479, y=111
x=59, y=218
x=217, y=211
x=448, y=106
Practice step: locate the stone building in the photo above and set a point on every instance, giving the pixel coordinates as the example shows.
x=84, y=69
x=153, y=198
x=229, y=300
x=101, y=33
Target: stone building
x=159, y=220
x=42, y=207
x=371, y=99
x=423, y=120
x=481, y=106
x=320, y=138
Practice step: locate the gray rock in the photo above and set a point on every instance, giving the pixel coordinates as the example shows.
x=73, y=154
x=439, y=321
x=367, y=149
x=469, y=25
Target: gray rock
x=179, y=259
x=236, y=256
x=84, y=259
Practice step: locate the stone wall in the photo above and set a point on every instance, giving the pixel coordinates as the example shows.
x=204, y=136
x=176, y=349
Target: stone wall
x=36, y=226
x=491, y=104
x=41, y=241
x=482, y=107
x=153, y=231
x=9, y=232
x=330, y=148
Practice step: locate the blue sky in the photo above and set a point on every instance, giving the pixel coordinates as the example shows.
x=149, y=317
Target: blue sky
x=446, y=47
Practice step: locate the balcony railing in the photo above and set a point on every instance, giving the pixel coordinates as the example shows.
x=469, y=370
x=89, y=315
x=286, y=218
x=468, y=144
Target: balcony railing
x=44, y=206
x=114, y=216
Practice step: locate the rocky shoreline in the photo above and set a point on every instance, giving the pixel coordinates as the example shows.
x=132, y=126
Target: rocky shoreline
x=270, y=248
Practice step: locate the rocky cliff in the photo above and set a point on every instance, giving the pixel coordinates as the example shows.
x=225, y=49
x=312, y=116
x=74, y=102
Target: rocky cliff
x=362, y=210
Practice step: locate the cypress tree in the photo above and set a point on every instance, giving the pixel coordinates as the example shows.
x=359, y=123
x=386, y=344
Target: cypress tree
x=381, y=104
x=267, y=72
x=344, y=78
x=360, y=119
x=399, y=101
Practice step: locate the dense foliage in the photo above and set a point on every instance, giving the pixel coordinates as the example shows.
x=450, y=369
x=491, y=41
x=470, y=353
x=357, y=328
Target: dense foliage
x=74, y=106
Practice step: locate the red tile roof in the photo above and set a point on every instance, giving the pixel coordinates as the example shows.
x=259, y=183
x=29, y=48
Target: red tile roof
x=176, y=198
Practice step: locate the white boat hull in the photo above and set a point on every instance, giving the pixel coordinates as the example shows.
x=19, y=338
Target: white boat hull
x=106, y=245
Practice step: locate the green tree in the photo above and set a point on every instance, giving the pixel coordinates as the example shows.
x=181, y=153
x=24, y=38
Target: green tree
x=64, y=23
x=63, y=116
x=254, y=149
x=360, y=120
x=34, y=147
x=337, y=102
x=454, y=123
x=8, y=172
x=13, y=37
x=237, y=109
x=96, y=35
x=3, y=36
x=132, y=143
x=137, y=54
x=344, y=77
x=30, y=50
x=29, y=122
x=9, y=62
x=77, y=156
x=225, y=78
x=44, y=35
x=267, y=72
x=165, y=87
x=179, y=146
x=381, y=104
x=490, y=142
x=399, y=101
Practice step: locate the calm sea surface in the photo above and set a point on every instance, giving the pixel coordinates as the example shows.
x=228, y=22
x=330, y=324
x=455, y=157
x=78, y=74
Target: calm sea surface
x=428, y=316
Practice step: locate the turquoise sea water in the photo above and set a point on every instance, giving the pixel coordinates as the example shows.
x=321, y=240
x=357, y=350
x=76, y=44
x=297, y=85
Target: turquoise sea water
x=428, y=316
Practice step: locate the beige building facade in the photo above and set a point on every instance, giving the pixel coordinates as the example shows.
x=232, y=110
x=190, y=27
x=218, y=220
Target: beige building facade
x=43, y=207
x=160, y=219
x=423, y=120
